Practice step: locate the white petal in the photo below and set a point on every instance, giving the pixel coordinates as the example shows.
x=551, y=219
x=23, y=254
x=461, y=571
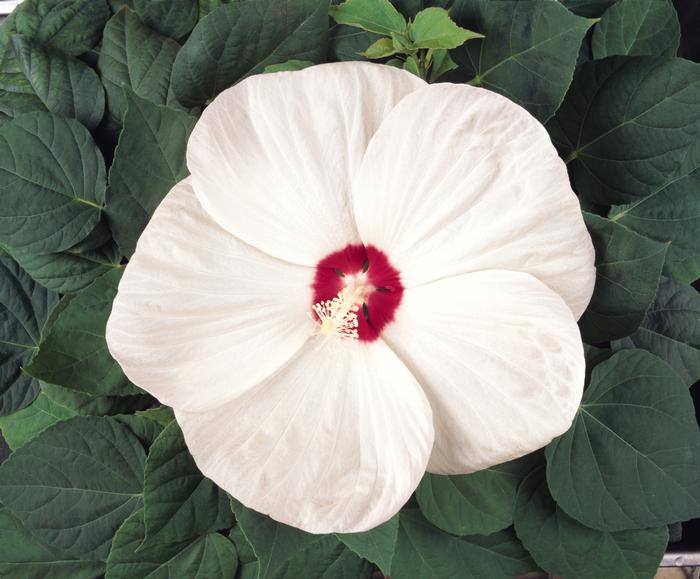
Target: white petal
x=500, y=358
x=336, y=441
x=272, y=157
x=460, y=179
x=201, y=316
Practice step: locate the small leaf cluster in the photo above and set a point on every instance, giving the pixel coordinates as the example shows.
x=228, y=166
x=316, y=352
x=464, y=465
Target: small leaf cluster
x=420, y=45
x=97, y=101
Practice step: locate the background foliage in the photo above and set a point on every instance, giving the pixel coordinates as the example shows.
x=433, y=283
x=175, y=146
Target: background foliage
x=97, y=99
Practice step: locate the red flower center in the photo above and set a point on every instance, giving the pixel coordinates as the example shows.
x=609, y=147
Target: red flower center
x=365, y=272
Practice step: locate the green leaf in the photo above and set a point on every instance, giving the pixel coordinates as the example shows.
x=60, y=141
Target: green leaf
x=377, y=545
x=631, y=459
x=410, y=8
x=480, y=503
x=67, y=86
x=135, y=56
x=23, y=555
x=74, y=354
x=273, y=543
x=628, y=271
x=242, y=38
x=208, y=6
x=401, y=43
x=145, y=429
x=22, y=426
x=52, y=183
x=75, y=483
x=594, y=356
x=179, y=503
x=326, y=558
x=173, y=18
x=588, y=8
x=290, y=65
x=442, y=64
x=433, y=28
x=204, y=557
x=411, y=65
x=670, y=213
x=71, y=26
x=636, y=28
x=532, y=67
x=348, y=43
x=117, y=5
x=24, y=306
x=55, y=404
x=162, y=415
x=243, y=547
x=426, y=552
x=148, y=162
x=148, y=424
x=248, y=566
x=671, y=330
x=380, y=49
x=629, y=127
x=378, y=16
x=87, y=405
x=75, y=268
x=566, y=548
x=284, y=552
x=16, y=93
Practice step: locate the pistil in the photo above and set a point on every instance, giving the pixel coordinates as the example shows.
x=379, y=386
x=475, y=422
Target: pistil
x=338, y=317
x=355, y=277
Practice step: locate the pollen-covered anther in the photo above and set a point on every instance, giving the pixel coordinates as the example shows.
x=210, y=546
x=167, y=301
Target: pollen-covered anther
x=337, y=317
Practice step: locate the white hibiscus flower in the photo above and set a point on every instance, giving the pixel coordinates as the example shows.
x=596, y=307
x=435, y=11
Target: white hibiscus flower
x=440, y=219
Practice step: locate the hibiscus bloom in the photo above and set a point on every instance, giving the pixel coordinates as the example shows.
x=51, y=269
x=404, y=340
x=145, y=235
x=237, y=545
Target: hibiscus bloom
x=365, y=277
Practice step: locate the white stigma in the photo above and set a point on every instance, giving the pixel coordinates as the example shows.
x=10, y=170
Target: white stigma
x=337, y=317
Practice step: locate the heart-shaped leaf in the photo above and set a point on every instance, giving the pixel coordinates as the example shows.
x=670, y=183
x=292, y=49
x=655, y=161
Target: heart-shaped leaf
x=179, y=503
x=669, y=214
x=377, y=545
x=23, y=555
x=90, y=468
x=629, y=127
x=568, y=549
x=75, y=268
x=242, y=38
x=148, y=162
x=480, y=503
x=67, y=86
x=16, y=93
x=534, y=67
x=636, y=28
x=71, y=26
x=670, y=329
x=52, y=183
x=628, y=269
x=24, y=306
x=631, y=459
x=20, y=427
x=426, y=552
x=173, y=18
x=137, y=57
x=209, y=555
x=588, y=8
x=284, y=552
x=74, y=354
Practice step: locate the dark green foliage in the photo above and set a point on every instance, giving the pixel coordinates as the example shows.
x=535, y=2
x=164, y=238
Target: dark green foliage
x=97, y=102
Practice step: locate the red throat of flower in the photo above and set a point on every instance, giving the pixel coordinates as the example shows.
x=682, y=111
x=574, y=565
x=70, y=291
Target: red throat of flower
x=364, y=278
